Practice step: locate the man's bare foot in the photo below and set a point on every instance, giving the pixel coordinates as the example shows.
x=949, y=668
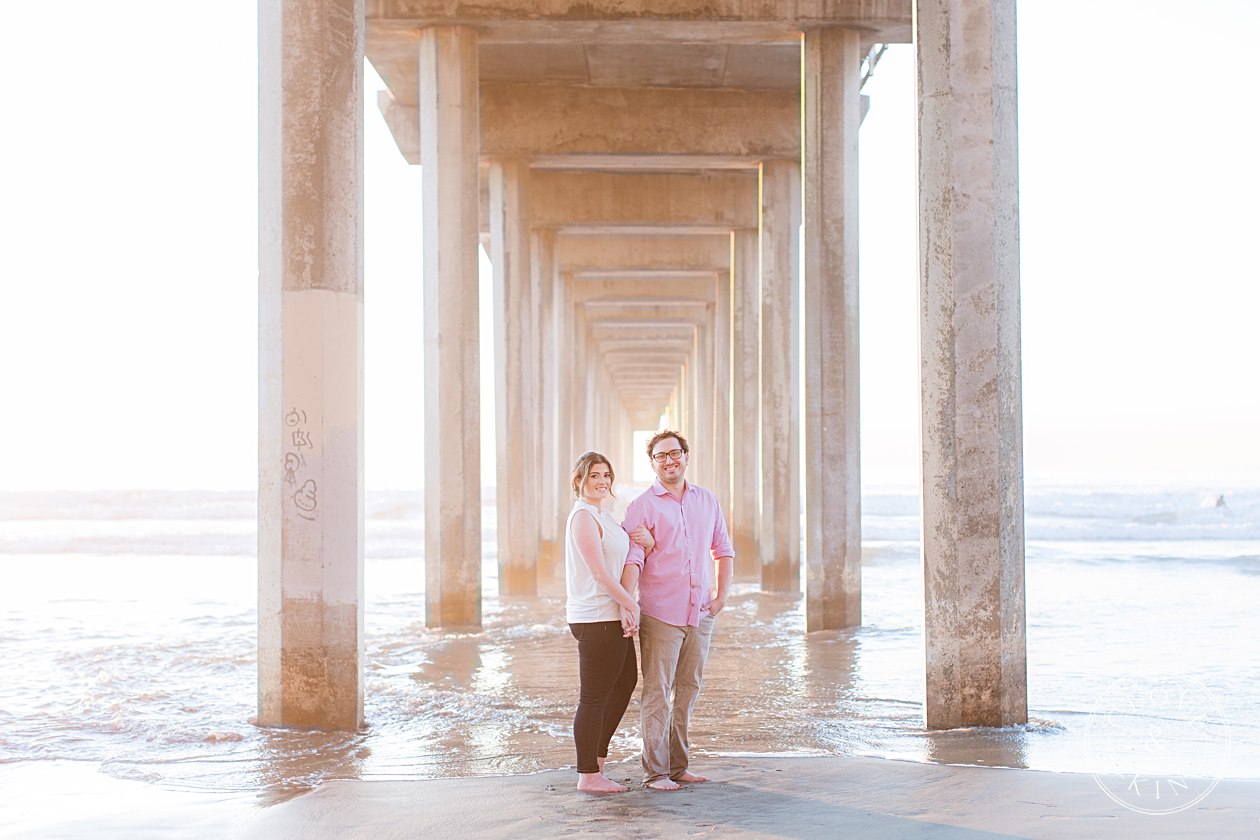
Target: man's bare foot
x=596, y=783
x=664, y=784
x=689, y=778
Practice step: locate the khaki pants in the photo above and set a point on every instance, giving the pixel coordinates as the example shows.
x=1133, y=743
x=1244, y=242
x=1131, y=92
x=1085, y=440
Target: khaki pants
x=673, y=666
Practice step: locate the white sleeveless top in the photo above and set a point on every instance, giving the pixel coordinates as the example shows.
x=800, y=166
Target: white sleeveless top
x=588, y=601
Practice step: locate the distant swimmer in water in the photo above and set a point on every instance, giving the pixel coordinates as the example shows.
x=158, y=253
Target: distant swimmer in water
x=1220, y=501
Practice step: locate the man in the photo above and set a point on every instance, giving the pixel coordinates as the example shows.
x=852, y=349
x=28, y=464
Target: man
x=677, y=611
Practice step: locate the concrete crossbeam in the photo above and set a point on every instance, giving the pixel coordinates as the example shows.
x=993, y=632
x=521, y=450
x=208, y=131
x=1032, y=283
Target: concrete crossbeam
x=667, y=254
x=619, y=303
x=657, y=20
x=661, y=344
x=673, y=286
x=561, y=120
x=599, y=312
x=584, y=127
x=647, y=357
x=648, y=202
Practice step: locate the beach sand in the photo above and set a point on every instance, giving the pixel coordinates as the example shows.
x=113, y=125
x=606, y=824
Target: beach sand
x=748, y=797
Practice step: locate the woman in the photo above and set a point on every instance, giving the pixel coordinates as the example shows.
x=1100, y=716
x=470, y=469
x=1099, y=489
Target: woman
x=602, y=616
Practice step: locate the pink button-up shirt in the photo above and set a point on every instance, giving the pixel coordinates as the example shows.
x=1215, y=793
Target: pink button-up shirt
x=690, y=533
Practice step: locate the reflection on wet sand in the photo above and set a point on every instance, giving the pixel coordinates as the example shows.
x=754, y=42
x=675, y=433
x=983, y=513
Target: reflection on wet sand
x=987, y=747
x=501, y=701
x=291, y=762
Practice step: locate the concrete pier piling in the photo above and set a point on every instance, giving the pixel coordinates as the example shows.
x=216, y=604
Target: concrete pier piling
x=310, y=364
x=973, y=503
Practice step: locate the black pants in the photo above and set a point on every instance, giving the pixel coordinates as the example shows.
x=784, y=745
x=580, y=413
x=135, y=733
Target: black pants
x=609, y=672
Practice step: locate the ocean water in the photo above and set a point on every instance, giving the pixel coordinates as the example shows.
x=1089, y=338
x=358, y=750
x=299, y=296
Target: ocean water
x=128, y=623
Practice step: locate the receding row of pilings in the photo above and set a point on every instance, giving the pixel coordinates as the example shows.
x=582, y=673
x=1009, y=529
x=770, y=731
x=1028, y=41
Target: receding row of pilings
x=630, y=284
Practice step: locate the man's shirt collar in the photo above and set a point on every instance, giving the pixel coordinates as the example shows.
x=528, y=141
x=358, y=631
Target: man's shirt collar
x=660, y=490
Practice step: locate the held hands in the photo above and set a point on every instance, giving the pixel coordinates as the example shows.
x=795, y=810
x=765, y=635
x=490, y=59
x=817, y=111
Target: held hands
x=630, y=621
x=642, y=536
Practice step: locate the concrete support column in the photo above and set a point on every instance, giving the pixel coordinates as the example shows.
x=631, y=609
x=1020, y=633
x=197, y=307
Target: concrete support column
x=553, y=503
x=721, y=391
x=580, y=405
x=452, y=463
x=621, y=436
x=587, y=397
x=568, y=362
x=685, y=406
x=598, y=436
x=745, y=512
x=973, y=505
x=626, y=461
x=702, y=399
x=614, y=420
x=610, y=423
x=613, y=424
x=779, y=536
x=833, y=518
x=515, y=406
x=310, y=364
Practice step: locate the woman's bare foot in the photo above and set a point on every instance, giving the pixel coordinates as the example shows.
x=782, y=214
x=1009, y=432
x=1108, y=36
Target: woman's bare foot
x=601, y=759
x=664, y=784
x=596, y=783
x=690, y=778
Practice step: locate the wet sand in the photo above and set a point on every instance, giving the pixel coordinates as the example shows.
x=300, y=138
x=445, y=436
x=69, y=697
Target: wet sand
x=488, y=715
x=825, y=796
x=748, y=797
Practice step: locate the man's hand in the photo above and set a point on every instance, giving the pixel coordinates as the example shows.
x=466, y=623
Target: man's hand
x=716, y=605
x=642, y=536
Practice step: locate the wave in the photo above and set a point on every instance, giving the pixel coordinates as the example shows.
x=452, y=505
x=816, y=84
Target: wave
x=1091, y=514
x=206, y=505
x=206, y=523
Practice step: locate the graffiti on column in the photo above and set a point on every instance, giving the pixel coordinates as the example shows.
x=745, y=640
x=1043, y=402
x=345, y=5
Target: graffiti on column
x=292, y=463
x=305, y=497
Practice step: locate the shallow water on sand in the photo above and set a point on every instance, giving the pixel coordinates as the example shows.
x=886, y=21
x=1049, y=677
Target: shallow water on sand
x=131, y=645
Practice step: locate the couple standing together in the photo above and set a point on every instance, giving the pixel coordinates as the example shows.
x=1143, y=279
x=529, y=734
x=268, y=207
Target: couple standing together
x=665, y=549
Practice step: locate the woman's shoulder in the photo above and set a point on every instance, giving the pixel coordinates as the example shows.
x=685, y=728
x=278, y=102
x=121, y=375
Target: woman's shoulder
x=593, y=515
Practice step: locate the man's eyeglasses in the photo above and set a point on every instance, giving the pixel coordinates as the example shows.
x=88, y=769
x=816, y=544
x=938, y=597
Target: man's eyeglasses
x=659, y=457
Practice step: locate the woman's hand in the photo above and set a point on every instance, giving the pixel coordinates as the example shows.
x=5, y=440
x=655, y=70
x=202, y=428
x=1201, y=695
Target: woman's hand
x=642, y=536
x=630, y=621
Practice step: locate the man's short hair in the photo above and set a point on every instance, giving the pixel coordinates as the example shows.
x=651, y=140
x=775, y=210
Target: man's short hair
x=667, y=433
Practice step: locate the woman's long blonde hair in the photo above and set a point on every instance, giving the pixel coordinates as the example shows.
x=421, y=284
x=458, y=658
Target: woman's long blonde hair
x=586, y=462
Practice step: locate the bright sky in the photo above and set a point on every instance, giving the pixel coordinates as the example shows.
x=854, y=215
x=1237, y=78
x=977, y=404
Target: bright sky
x=128, y=327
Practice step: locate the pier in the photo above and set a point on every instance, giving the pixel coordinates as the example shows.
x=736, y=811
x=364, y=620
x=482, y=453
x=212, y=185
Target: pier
x=668, y=194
